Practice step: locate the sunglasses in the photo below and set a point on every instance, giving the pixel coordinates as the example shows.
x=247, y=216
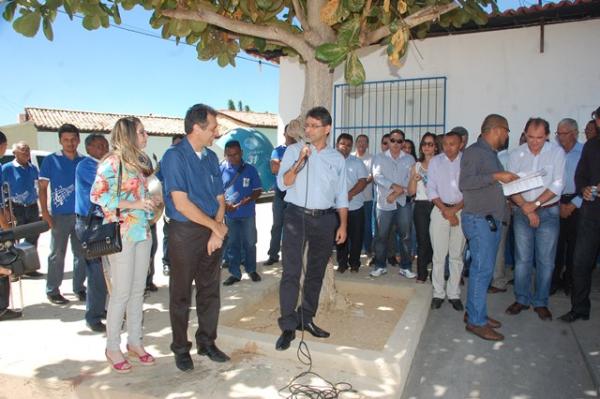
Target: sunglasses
x=399, y=141
x=428, y=144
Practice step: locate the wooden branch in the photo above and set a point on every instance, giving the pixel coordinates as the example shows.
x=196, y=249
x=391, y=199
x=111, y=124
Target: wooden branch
x=363, y=21
x=300, y=15
x=272, y=33
x=425, y=15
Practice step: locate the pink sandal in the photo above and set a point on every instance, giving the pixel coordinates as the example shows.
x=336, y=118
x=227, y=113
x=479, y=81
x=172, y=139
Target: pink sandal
x=146, y=359
x=121, y=367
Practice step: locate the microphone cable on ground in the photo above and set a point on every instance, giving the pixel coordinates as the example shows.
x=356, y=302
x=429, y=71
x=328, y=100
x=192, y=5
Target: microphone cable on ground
x=296, y=388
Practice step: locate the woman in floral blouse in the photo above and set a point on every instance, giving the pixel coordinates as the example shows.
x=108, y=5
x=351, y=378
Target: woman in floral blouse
x=128, y=269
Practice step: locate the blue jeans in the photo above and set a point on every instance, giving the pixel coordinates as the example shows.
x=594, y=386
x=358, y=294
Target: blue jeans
x=368, y=235
x=95, y=304
x=483, y=244
x=241, y=240
x=540, y=241
x=64, y=227
x=402, y=219
x=277, y=228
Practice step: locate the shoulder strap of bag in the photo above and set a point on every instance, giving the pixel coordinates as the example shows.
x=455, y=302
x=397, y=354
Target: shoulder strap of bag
x=237, y=174
x=89, y=215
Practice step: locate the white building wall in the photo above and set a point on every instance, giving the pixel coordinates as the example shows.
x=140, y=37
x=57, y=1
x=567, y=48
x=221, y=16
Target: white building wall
x=490, y=72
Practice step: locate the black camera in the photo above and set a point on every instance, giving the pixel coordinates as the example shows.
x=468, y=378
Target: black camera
x=20, y=258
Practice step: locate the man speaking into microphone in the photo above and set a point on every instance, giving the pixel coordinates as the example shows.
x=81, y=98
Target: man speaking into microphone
x=313, y=175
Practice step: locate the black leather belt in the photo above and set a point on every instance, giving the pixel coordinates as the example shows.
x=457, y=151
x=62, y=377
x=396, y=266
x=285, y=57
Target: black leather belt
x=312, y=212
x=449, y=205
x=17, y=205
x=566, y=198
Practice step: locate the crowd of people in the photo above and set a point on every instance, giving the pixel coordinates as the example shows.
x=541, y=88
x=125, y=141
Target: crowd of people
x=442, y=203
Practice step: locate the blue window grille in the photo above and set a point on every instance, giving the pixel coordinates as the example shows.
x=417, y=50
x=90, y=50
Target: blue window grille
x=415, y=106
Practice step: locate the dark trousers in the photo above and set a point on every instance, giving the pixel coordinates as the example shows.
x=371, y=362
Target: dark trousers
x=421, y=218
x=279, y=206
x=584, y=260
x=565, y=249
x=165, y=243
x=348, y=253
x=25, y=215
x=4, y=293
x=317, y=233
x=153, y=250
x=190, y=262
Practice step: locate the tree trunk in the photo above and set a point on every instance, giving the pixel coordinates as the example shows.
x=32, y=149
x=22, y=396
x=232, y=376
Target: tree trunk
x=318, y=86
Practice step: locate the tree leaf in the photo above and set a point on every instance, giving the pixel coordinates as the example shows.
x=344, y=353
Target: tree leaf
x=47, y=27
x=402, y=7
x=264, y=4
x=28, y=23
x=91, y=22
x=9, y=11
x=329, y=14
x=104, y=21
x=353, y=5
x=329, y=52
x=116, y=14
x=198, y=26
x=260, y=43
x=223, y=60
x=349, y=32
x=69, y=8
x=354, y=72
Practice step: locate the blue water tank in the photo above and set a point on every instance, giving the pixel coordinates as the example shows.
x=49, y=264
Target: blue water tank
x=256, y=150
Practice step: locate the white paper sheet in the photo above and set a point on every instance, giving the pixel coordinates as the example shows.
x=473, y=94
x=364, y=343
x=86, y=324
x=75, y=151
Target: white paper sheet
x=526, y=182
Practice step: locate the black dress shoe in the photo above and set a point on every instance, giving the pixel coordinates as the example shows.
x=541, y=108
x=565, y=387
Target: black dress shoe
x=313, y=329
x=57, y=299
x=213, y=353
x=436, y=303
x=82, y=296
x=254, y=276
x=98, y=327
x=8, y=314
x=341, y=269
x=456, y=304
x=271, y=261
x=571, y=316
x=231, y=280
x=184, y=362
x=284, y=341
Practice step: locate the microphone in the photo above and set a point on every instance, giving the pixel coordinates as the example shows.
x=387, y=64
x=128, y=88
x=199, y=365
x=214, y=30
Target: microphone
x=19, y=232
x=305, y=160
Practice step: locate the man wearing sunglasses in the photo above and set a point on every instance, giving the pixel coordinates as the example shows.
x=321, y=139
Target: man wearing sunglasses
x=391, y=170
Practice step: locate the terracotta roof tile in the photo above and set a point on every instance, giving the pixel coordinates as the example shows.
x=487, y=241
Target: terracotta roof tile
x=256, y=119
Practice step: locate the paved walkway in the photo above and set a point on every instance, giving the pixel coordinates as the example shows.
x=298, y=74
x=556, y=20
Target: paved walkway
x=549, y=360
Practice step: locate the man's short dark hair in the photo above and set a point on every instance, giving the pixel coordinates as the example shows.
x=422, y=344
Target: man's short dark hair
x=93, y=137
x=2, y=139
x=492, y=121
x=453, y=133
x=385, y=136
x=462, y=131
x=67, y=128
x=344, y=136
x=321, y=114
x=363, y=135
x=197, y=114
x=177, y=137
x=399, y=132
x=538, y=122
x=233, y=144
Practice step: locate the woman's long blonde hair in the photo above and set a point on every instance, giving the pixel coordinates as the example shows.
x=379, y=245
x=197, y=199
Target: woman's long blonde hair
x=123, y=140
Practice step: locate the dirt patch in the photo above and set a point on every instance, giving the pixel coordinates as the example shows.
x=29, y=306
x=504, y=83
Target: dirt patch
x=367, y=323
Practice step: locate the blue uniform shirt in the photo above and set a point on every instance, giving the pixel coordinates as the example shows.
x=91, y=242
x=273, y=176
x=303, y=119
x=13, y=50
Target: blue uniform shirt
x=321, y=184
x=85, y=173
x=22, y=180
x=198, y=175
x=242, y=187
x=60, y=171
x=278, y=152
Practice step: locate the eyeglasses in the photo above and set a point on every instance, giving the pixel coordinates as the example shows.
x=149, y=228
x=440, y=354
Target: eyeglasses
x=428, y=144
x=399, y=141
x=309, y=126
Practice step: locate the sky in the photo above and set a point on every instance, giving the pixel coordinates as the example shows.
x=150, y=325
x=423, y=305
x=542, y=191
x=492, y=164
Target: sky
x=114, y=70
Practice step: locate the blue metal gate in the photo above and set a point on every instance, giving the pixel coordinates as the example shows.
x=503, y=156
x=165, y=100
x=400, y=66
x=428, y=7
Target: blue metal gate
x=374, y=108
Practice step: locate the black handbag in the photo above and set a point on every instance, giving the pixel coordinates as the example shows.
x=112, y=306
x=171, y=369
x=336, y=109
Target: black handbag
x=103, y=239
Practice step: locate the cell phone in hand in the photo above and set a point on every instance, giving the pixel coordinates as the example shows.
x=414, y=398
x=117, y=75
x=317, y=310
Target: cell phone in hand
x=491, y=222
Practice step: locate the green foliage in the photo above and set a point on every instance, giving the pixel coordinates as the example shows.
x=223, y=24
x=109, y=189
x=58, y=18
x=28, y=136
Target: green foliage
x=354, y=73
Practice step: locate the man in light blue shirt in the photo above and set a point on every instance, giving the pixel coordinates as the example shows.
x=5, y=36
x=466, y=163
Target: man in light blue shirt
x=348, y=253
x=314, y=178
x=566, y=134
x=58, y=171
x=536, y=217
x=391, y=172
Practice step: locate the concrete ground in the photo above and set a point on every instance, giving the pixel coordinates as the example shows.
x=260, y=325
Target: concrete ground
x=549, y=360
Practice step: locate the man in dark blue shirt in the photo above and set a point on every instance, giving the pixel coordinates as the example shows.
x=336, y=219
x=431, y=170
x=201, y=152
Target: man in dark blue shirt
x=58, y=171
x=195, y=206
x=96, y=146
x=22, y=178
x=242, y=188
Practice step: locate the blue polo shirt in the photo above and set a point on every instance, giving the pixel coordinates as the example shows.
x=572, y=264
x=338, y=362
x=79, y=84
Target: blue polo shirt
x=242, y=187
x=21, y=180
x=196, y=174
x=60, y=171
x=85, y=173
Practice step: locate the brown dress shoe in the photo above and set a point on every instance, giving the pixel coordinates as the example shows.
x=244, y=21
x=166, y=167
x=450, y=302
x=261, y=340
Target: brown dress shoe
x=485, y=332
x=543, y=313
x=496, y=290
x=516, y=308
x=491, y=323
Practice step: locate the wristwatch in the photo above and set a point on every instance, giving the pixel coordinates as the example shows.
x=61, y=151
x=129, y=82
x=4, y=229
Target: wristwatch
x=538, y=204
